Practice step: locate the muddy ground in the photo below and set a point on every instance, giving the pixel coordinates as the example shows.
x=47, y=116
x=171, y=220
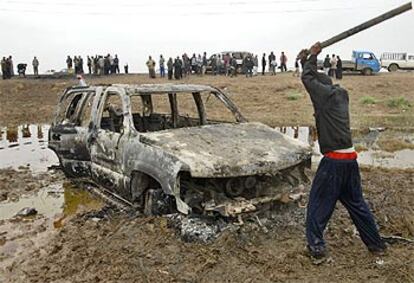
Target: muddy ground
x=82, y=240
x=124, y=248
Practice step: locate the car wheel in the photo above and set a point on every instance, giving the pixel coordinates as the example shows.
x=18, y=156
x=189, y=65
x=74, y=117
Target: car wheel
x=393, y=68
x=367, y=72
x=156, y=202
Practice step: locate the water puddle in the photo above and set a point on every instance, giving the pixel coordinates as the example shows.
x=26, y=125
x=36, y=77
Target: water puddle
x=26, y=145
x=56, y=199
x=369, y=153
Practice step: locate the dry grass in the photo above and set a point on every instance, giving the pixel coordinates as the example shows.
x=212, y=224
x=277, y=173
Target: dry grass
x=262, y=98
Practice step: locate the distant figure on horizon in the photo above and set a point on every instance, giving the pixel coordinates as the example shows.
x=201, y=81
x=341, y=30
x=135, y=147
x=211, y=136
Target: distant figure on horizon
x=272, y=63
x=205, y=63
x=170, y=67
x=249, y=66
x=116, y=64
x=256, y=65
x=35, y=64
x=334, y=63
x=338, y=68
x=263, y=64
x=327, y=64
x=162, y=66
x=69, y=63
x=283, y=62
x=151, y=67
x=126, y=68
x=178, y=71
x=89, y=63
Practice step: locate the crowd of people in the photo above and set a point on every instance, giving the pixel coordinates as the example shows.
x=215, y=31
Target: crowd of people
x=228, y=64
x=219, y=64
x=332, y=66
x=97, y=65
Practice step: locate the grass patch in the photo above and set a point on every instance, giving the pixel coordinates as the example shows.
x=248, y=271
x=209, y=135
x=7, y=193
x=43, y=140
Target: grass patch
x=294, y=96
x=368, y=100
x=399, y=102
x=393, y=145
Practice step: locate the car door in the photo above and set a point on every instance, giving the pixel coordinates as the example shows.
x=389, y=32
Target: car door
x=367, y=60
x=68, y=132
x=108, y=138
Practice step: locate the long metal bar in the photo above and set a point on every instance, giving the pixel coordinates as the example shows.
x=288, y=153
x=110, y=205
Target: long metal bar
x=366, y=25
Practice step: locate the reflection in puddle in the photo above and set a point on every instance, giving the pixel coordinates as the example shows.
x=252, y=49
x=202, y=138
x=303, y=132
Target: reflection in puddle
x=55, y=199
x=25, y=145
x=402, y=159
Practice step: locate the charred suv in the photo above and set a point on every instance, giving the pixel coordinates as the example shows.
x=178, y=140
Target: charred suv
x=174, y=147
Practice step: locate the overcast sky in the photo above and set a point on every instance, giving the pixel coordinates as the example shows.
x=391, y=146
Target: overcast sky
x=134, y=29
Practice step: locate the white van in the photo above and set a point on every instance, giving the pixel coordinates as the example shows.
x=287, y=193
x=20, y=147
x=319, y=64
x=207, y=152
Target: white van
x=397, y=61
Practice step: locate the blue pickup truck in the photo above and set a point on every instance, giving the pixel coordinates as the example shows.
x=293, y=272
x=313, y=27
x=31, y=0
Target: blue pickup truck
x=364, y=62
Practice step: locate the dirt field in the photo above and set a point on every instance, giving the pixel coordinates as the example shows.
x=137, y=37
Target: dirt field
x=85, y=243
x=276, y=101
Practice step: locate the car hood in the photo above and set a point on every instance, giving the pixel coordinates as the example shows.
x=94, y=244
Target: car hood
x=230, y=150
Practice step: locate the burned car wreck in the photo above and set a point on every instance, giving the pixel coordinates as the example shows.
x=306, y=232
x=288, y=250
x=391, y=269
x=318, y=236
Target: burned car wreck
x=174, y=147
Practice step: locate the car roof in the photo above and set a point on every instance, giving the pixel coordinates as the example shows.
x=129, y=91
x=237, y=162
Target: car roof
x=132, y=89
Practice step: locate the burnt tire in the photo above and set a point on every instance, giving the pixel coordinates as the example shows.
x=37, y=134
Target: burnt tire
x=156, y=202
x=393, y=68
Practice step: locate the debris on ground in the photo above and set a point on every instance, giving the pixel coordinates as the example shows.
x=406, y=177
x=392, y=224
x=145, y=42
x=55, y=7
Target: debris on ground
x=27, y=211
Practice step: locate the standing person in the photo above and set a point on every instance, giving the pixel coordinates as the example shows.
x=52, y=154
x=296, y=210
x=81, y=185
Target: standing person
x=81, y=65
x=178, y=68
x=69, y=63
x=272, y=63
x=334, y=63
x=218, y=64
x=35, y=64
x=297, y=71
x=126, y=68
x=116, y=64
x=76, y=63
x=233, y=66
x=226, y=59
x=151, y=67
x=170, y=67
x=107, y=65
x=101, y=65
x=213, y=64
x=11, y=66
x=162, y=66
x=193, y=63
x=205, y=62
x=89, y=63
x=199, y=65
x=338, y=176
x=338, y=68
x=249, y=66
x=327, y=65
x=94, y=64
x=283, y=62
x=256, y=65
x=263, y=64
x=3, y=68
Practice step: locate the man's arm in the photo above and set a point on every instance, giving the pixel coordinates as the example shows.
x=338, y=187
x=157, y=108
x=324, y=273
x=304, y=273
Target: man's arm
x=310, y=77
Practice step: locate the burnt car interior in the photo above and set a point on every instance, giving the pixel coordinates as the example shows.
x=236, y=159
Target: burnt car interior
x=112, y=116
x=158, y=112
x=73, y=108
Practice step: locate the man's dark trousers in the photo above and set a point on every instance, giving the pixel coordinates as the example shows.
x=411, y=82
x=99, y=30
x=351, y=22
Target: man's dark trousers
x=339, y=180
